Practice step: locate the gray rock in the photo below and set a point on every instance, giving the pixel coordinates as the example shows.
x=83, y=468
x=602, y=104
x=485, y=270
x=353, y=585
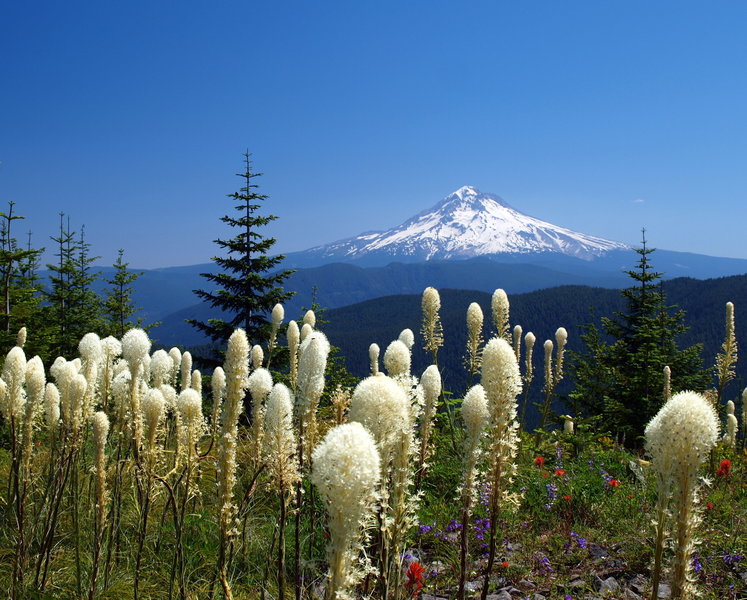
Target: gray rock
x=430, y=597
x=539, y=597
x=474, y=586
x=437, y=566
x=638, y=584
x=606, y=586
x=629, y=594
x=664, y=591
x=637, y=470
x=502, y=595
x=577, y=583
x=511, y=590
x=411, y=555
x=598, y=552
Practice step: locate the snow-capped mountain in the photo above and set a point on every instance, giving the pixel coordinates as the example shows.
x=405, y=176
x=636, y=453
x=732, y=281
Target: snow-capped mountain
x=465, y=224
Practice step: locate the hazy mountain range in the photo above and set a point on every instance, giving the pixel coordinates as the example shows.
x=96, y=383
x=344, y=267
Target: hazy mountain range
x=468, y=240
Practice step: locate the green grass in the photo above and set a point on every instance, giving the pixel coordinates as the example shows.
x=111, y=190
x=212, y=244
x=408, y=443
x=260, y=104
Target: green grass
x=601, y=505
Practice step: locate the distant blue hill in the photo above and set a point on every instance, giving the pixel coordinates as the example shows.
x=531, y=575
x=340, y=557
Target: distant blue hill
x=166, y=294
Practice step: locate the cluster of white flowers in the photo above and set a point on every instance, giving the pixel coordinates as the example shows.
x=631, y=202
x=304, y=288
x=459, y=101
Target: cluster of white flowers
x=517, y=342
x=13, y=396
x=218, y=387
x=500, y=309
x=185, y=372
x=678, y=440
x=397, y=359
x=475, y=415
x=189, y=405
x=474, y=337
x=100, y=426
x=346, y=472
x=373, y=357
x=312, y=362
x=501, y=380
x=154, y=408
x=667, y=387
x=294, y=339
x=259, y=384
x=430, y=383
x=236, y=371
x=380, y=405
x=432, y=330
x=279, y=448
x=407, y=337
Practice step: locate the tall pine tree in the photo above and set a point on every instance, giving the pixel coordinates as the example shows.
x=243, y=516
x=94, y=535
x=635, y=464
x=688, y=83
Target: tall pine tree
x=621, y=374
x=118, y=304
x=76, y=305
x=20, y=288
x=246, y=287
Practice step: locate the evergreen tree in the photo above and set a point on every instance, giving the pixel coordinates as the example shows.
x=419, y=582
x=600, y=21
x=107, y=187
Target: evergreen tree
x=246, y=288
x=118, y=304
x=86, y=306
x=622, y=377
x=19, y=287
x=76, y=306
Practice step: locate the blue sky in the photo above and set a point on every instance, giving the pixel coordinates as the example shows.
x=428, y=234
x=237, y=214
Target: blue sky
x=599, y=116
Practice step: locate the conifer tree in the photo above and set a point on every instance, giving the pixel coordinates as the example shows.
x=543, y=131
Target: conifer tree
x=246, y=286
x=76, y=305
x=621, y=377
x=118, y=303
x=19, y=286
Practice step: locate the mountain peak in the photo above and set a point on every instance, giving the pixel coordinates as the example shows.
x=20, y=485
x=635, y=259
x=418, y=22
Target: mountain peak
x=469, y=195
x=466, y=190
x=465, y=224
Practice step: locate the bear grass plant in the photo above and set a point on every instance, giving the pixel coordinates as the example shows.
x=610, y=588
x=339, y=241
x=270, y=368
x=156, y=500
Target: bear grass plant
x=561, y=511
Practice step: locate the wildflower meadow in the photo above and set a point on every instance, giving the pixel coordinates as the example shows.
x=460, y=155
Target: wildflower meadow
x=128, y=473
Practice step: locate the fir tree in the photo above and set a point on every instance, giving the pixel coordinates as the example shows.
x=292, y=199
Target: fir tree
x=76, y=306
x=19, y=286
x=118, y=303
x=86, y=305
x=246, y=288
x=622, y=377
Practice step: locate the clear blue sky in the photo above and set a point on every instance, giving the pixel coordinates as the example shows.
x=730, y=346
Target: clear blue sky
x=602, y=116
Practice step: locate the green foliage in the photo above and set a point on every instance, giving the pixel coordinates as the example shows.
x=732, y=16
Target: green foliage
x=76, y=305
x=20, y=288
x=246, y=287
x=118, y=304
x=623, y=379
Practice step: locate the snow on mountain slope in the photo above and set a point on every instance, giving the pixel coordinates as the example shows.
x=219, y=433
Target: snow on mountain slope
x=466, y=224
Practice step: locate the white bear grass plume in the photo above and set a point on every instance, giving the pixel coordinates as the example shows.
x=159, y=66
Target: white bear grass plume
x=381, y=405
x=312, y=362
x=278, y=314
x=678, y=440
x=259, y=384
x=346, y=472
x=501, y=381
x=500, y=308
x=373, y=357
x=474, y=339
x=231, y=384
x=279, y=456
x=432, y=330
x=475, y=416
x=100, y=426
x=135, y=349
